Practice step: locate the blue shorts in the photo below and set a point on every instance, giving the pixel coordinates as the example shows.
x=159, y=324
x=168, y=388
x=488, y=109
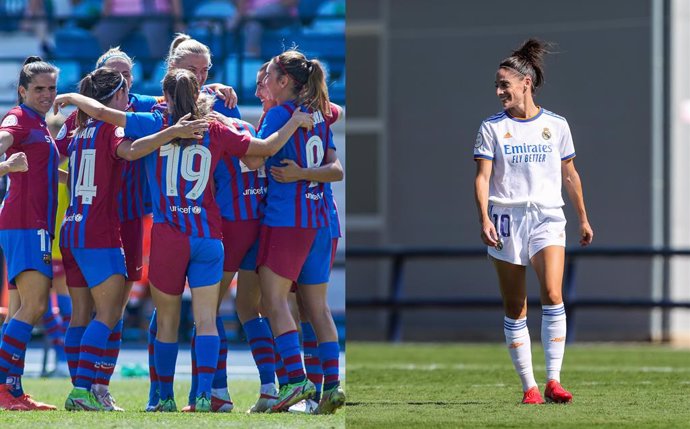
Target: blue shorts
x=175, y=255
x=91, y=267
x=27, y=249
x=317, y=267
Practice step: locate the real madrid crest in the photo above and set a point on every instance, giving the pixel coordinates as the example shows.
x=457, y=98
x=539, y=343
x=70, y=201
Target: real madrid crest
x=479, y=141
x=546, y=134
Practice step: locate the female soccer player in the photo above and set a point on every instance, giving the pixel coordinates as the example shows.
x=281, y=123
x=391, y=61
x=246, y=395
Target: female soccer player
x=523, y=154
x=90, y=236
x=187, y=225
x=27, y=218
x=295, y=243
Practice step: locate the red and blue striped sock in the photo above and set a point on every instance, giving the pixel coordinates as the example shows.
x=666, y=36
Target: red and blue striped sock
x=330, y=353
x=281, y=373
x=153, y=375
x=52, y=324
x=64, y=303
x=73, y=338
x=312, y=363
x=191, y=399
x=260, y=342
x=166, y=358
x=220, y=379
x=112, y=351
x=14, y=340
x=91, y=351
x=288, y=347
x=207, y=347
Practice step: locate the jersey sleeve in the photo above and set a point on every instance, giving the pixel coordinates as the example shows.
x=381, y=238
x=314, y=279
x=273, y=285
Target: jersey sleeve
x=566, y=144
x=219, y=106
x=14, y=123
x=273, y=121
x=142, y=103
x=331, y=143
x=233, y=142
x=117, y=136
x=142, y=124
x=330, y=120
x=64, y=135
x=484, y=145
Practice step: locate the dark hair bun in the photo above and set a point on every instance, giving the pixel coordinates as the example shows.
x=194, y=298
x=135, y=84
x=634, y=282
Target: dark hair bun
x=32, y=59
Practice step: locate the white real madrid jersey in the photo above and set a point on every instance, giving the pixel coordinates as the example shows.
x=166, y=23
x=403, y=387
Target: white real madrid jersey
x=526, y=155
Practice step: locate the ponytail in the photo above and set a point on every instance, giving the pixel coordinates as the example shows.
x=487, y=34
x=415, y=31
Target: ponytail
x=101, y=84
x=308, y=77
x=183, y=90
x=528, y=60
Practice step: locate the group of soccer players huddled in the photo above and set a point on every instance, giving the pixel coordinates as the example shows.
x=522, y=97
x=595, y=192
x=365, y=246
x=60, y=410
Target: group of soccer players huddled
x=227, y=198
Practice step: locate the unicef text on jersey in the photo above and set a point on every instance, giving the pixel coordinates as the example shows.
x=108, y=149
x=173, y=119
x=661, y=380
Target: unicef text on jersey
x=185, y=210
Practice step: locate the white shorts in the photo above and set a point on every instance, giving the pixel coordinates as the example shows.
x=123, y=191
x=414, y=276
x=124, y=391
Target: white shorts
x=524, y=231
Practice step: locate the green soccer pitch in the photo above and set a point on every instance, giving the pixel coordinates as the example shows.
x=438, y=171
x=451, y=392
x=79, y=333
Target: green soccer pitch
x=132, y=396
x=475, y=386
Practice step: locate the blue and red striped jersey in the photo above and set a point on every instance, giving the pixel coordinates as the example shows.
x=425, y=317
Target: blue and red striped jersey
x=180, y=177
x=298, y=204
x=91, y=220
x=31, y=198
x=239, y=190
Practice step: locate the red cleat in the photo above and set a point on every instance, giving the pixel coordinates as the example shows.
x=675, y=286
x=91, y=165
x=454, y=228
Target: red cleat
x=33, y=404
x=9, y=402
x=220, y=405
x=554, y=392
x=532, y=396
x=189, y=409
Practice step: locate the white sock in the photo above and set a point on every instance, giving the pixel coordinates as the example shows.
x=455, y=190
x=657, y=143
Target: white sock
x=99, y=388
x=553, y=329
x=222, y=393
x=268, y=389
x=520, y=349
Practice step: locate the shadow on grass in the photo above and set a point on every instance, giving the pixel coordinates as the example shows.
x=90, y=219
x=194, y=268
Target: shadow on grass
x=420, y=403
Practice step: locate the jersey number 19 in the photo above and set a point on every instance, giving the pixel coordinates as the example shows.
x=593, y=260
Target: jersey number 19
x=175, y=166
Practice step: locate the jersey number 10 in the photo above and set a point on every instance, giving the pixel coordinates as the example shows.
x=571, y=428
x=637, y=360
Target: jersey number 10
x=185, y=167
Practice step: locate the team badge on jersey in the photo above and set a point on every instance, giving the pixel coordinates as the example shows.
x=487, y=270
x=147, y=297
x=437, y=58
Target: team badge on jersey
x=546, y=134
x=479, y=141
x=10, y=121
x=119, y=132
x=63, y=132
x=47, y=258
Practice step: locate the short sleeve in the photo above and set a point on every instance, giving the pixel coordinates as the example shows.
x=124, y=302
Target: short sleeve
x=142, y=124
x=567, y=148
x=64, y=135
x=274, y=120
x=117, y=136
x=232, y=141
x=14, y=123
x=142, y=103
x=330, y=120
x=484, y=144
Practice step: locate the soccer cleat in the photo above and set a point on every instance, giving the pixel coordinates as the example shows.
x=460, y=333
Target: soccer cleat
x=107, y=401
x=532, y=396
x=221, y=405
x=9, y=402
x=331, y=400
x=307, y=406
x=82, y=400
x=263, y=404
x=189, y=408
x=554, y=392
x=34, y=405
x=167, y=405
x=293, y=393
x=154, y=402
x=203, y=404
x=152, y=408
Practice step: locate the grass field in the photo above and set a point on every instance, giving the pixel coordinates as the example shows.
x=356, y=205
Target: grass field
x=132, y=395
x=475, y=386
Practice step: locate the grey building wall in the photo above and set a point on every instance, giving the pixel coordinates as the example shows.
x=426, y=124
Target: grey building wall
x=421, y=80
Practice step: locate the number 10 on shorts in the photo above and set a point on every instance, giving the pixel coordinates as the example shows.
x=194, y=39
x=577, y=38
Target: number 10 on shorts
x=503, y=227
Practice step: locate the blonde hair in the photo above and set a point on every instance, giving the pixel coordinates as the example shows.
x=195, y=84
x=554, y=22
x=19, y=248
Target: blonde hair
x=115, y=52
x=184, y=45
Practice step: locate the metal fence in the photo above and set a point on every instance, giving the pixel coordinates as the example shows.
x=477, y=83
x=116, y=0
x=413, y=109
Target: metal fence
x=396, y=302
